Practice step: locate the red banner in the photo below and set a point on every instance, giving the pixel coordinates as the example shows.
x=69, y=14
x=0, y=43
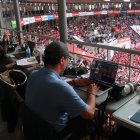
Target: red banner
x=123, y=39
x=137, y=11
x=75, y=14
x=55, y=16
x=81, y=52
x=130, y=11
x=97, y=12
x=38, y=18
x=116, y=12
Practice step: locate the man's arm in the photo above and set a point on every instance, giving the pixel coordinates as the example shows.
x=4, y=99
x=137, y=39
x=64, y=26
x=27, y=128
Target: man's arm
x=80, y=82
x=92, y=90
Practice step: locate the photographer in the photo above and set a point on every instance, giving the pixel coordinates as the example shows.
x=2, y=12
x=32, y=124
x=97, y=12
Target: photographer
x=55, y=100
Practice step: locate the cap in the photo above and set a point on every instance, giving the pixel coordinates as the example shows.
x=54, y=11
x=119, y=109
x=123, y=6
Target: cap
x=57, y=48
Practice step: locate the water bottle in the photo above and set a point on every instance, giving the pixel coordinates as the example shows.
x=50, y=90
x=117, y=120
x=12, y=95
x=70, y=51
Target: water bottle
x=27, y=51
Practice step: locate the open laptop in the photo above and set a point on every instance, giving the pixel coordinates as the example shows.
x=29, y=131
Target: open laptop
x=103, y=73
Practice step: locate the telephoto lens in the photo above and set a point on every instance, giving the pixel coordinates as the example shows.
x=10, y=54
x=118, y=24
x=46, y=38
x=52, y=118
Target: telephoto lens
x=129, y=88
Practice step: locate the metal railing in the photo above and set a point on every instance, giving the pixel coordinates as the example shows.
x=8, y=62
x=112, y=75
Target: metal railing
x=130, y=53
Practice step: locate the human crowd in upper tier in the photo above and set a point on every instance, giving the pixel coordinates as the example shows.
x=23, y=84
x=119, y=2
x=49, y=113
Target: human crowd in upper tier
x=98, y=30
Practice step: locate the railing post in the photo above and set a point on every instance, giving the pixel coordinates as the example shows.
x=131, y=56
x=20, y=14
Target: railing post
x=17, y=15
x=62, y=20
x=36, y=39
x=1, y=26
x=30, y=38
x=107, y=54
x=74, y=52
x=13, y=36
x=130, y=69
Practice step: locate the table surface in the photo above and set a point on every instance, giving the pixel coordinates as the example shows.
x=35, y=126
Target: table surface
x=99, y=99
x=121, y=116
x=111, y=106
x=115, y=105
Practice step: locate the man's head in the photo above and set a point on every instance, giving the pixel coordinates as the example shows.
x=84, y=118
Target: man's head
x=56, y=53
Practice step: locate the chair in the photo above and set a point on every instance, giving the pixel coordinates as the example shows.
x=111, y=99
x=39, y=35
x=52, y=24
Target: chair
x=10, y=80
x=35, y=128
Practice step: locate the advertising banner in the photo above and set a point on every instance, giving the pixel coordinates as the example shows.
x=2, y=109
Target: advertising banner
x=75, y=14
x=121, y=43
x=44, y=17
x=50, y=17
x=38, y=19
x=136, y=28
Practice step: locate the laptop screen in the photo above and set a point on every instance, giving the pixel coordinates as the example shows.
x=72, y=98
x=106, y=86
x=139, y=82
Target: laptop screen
x=103, y=71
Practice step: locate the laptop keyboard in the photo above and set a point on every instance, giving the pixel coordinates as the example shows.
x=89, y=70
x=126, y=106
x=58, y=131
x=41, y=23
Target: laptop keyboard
x=101, y=86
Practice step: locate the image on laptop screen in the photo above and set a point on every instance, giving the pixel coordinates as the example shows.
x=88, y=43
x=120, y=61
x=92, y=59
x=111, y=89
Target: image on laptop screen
x=104, y=71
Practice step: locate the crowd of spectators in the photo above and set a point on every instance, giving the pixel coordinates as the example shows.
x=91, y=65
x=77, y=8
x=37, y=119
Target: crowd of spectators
x=123, y=72
x=99, y=30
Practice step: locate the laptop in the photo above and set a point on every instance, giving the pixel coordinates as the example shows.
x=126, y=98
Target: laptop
x=103, y=73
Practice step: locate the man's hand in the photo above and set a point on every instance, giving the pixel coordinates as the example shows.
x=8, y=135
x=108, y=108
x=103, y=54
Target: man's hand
x=92, y=89
x=82, y=82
